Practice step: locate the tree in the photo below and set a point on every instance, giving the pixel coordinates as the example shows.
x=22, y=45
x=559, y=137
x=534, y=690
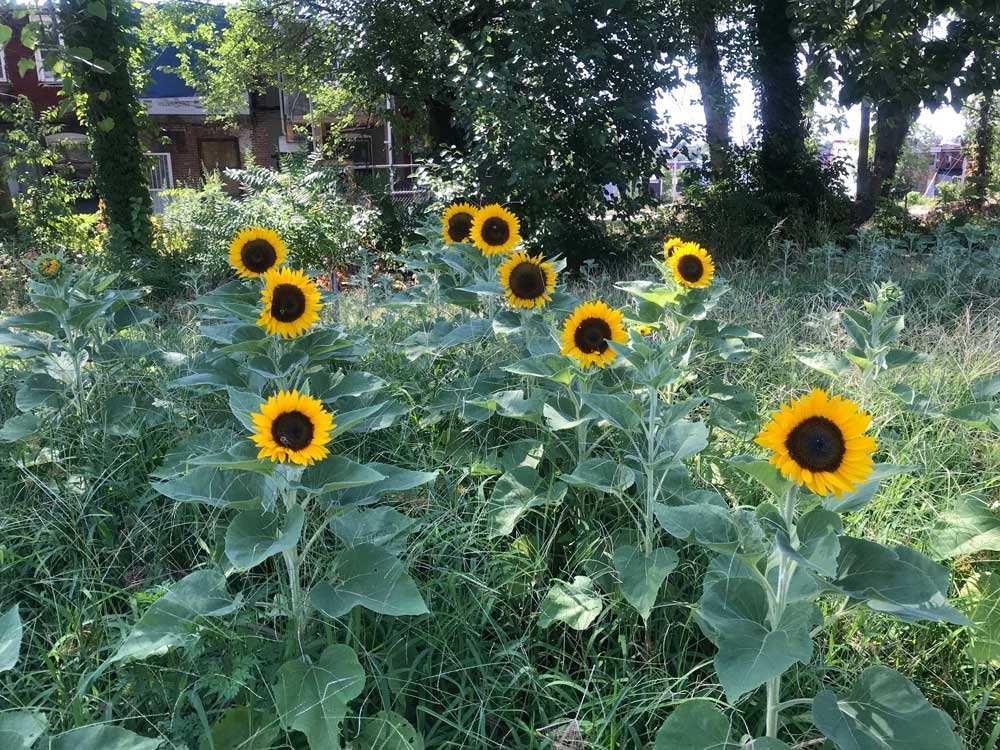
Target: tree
x=99, y=42
x=716, y=101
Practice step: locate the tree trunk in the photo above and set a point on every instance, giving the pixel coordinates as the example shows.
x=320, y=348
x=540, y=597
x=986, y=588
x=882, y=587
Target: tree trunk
x=442, y=126
x=864, y=140
x=113, y=116
x=8, y=216
x=892, y=123
x=980, y=176
x=712, y=83
x=780, y=92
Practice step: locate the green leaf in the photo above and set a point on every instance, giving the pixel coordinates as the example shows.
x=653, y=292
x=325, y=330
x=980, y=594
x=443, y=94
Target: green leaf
x=683, y=439
x=313, y=698
x=242, y=456
x=514, y=494
x=733, y=613
x=983, y=415
x=522, y=453
x=971, y=525
x=370, y=577
x=29, y=35
x=10, y=638
x=577, y=604
x=383, y=526
x=20, y=729
x=219, y=488
x=834, y=365
x=171, y=621
x=255, y=535
x=818, y=545
x=916, y=402
x=387, y=730
x=97, y=9
x=25, y=63
x=18, y=428
x=899, y=581
x=857, y=325
x=394, y=479
x=764, y=472
x=986, y=388
x=641, y=576
x=601, y=474
x=102, y=737
x=982, y=597
x=37, y=390
x=704, y=517
x=337, y=473
x=768, y=743
x=902, y=357
x=6, y=32
x=654, y=292
x=695, y=725
x=106, y=124
x=883, y=711
x=242, y=728
x=244, y=405
x=618, y=411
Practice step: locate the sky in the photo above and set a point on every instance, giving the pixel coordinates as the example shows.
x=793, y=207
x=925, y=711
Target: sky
x=683, y=105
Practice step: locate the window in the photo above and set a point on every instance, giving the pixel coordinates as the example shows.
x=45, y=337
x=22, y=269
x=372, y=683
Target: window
x=3, y=64
x=161, y=177
x=45, y=55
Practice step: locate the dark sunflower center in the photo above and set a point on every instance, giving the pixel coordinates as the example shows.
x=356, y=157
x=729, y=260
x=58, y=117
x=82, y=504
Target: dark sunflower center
x=258, y=255
x=816, y=444
x=527, y=281
x=690, y=268
x=592, y=335
x=496, y=231
x=459, y=227
x=292, y=430
x=288, y=303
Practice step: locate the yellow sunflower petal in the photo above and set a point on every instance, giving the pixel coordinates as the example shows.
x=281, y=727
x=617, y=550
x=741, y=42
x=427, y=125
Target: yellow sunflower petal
x=816, y=443
x=527, y=281
x=691, y=265
x=255, y=251
x=495, y=230
x=290, y=303
x=292, y=427
x=586, y=333
x=457, y=223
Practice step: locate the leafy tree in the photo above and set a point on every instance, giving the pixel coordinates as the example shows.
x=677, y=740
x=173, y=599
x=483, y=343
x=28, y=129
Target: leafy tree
x=99, y=43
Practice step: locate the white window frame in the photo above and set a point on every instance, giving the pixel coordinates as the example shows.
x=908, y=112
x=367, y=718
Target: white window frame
x=45, y=77
x=3, y=64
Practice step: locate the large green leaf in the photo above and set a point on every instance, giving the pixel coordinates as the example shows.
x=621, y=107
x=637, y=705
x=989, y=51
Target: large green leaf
x=370, y=577
x=695, y=725
x=899, y=581
x=577, y=604
x=641, y=576
x=387, y=730
x=242, y=728
x=313, y=698
x=384, y=527
x=971, y=525
x=733, y=613
x=255, y=535
x=818, y=544
x=983, y=415
x=172, y=620
x=683, y=439
x=514, y=494
x=883, y=711
x=337, y=473
x=20, y=729
x=394, y=479
x=219, y=487
x=618, y=411
x=18, y=428
x=601, y=474
x=10, y=638
x=764, y=472
x=102, y=737
x=36, y=390
x=828, y=363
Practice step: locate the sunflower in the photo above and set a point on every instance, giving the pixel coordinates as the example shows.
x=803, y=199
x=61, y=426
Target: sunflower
x=291, y=303
x=692, y=265
x=495, y=230
x=49, y=265
x=670, y=246
x=292, y=427
x=644, y=330
x=457, y=221
x=817, y=441
x=587, y=331
x=255, y=251
x=527, y=281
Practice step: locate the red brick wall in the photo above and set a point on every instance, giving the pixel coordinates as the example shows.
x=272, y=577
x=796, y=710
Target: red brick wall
x=42, y=96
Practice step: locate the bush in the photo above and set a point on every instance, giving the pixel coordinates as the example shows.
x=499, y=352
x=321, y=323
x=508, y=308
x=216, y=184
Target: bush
x=737, y=218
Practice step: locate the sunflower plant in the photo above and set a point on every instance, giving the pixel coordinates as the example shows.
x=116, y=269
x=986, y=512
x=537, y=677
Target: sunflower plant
x=84, y=330
x=279, y=469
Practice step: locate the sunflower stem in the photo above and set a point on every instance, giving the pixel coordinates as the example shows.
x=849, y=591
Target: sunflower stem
x=777, y=604
x=651, y=488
